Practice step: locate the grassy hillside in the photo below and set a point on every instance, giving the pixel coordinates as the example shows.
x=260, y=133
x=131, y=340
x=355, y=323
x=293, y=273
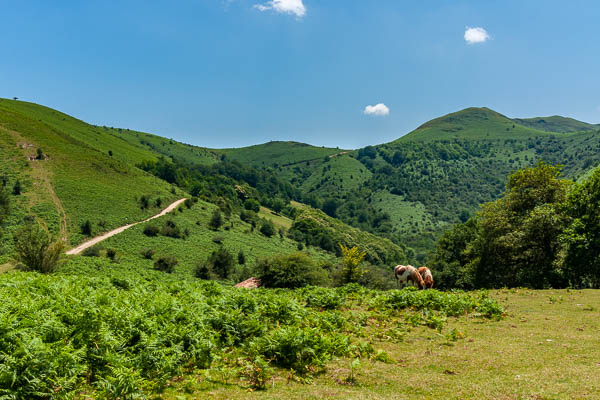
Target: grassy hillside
x=557, y=123
x=76, y=179
x=410, y=189
x=471, y=123
x=278, y=153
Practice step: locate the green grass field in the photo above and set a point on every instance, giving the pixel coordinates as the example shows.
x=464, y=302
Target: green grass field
x=545, y=348
x=280, y=153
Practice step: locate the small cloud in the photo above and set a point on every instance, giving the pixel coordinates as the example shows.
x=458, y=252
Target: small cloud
x=295, y=7
x=476, y=35
x=379, y=110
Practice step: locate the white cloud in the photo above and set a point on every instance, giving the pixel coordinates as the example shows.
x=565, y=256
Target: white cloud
x=378, y=110
x=476, y=35
x=295, y=7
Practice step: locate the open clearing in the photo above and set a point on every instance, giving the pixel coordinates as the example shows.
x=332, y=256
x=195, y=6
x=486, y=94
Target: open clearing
x=547, y=347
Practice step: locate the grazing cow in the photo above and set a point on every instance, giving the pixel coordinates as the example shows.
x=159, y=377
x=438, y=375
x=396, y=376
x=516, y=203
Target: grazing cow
x=406, y=273
x=427, y=277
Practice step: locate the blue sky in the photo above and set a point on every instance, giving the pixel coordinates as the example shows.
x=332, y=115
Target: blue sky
x=231, y=73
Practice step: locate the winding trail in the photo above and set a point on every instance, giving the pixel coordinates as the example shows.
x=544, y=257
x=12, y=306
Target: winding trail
x=98, y=239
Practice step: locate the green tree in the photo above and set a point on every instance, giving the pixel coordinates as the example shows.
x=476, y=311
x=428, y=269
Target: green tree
x=580, y=258
x=4, y=204
x=221, y=262
x=17, y=188
x=241, y=257
x=351, y=258
x=267, y=228
x=86, y=228
x=252, y=205
x=517, y=242
x=36, y=250
x=216, y=220
x=290, y=271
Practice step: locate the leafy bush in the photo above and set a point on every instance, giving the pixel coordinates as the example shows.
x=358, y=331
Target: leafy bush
x=86, y=228
x=252, y=205
x=221, y=262
x=241, y=257
x=170, y=229
x=267, y=228
x=151, y=230
x=35, y=249
x=248, y=216
x=93, y=251
x=166, y=264
x=324, y=299
x=290, y=271
x=148, y=253
x=216, y=220
x=111, y=253
x=17, y=188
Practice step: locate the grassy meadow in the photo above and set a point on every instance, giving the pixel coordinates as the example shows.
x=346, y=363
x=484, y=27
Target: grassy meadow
x=546, y=347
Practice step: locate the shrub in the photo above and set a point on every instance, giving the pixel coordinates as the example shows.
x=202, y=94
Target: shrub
x=188, y=203
x=144, y=202
x=290, y=271
x=247, y=216
x=267, y=228
x=93, y=251
x=241, y=257
x=35, y=249
x=151, y=230
x=158, y=202
x=252, y=205
x=40, y=154
x=111, y=253
x=170, y=229
x=4, y=204
x=221, y=262
x=17, y=188
x=218, y=239
x=166, y=264
x=86, y=228
x=202, y=270
x=148, y=253
x=216, y=220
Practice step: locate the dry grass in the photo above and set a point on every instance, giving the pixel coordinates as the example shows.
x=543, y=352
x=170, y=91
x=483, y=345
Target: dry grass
x=547, y=347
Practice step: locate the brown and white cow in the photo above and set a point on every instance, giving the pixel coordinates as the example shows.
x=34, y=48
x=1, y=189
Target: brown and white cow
x=408, y=273
x=427, y=277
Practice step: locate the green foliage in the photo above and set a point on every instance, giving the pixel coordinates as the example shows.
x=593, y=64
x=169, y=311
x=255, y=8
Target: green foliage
x=290, y=271
x=351, y=258
x=166, y=264
x=216, y=221
x=252, y=205
x=36, y=250
x=241, y=258
x=151, y=230
x=16, y=190
x=86, y=228
x=220, y=262
x=170, y=229
x=315, y=228
x=267, y=228
x=93, y=251
x=580, y=255
x=513, y=241
x=148, y=254
x=4, y=204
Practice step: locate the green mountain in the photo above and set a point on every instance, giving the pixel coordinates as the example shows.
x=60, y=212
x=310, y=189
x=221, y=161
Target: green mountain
x=413, y=188
x=74, y=175
x=557, y=123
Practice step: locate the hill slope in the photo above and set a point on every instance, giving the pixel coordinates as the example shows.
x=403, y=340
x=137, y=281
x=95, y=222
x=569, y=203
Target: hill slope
x=412, y=188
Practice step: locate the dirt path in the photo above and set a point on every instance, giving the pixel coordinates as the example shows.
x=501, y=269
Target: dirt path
x=98, y=239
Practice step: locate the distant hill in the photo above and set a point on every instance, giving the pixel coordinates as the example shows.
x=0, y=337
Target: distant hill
x=412, y=188
x=557, y=123
x=95, y=173
x=278, y=153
